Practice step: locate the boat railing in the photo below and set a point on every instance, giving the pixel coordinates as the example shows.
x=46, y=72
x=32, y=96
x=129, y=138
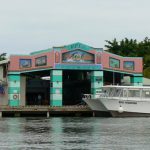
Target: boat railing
x=94, y=96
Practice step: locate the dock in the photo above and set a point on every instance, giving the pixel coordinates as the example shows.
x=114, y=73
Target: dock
x=45, y=111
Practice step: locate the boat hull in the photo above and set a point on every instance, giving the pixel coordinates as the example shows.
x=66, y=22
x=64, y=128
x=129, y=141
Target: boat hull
x=128, y=114
x=133, y=108
x=95, y=104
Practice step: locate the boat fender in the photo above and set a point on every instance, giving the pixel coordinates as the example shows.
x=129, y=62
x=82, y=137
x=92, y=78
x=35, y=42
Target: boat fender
x=120, y=109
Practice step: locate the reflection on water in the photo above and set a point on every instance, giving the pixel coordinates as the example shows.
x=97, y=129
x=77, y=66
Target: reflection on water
x=75, y=133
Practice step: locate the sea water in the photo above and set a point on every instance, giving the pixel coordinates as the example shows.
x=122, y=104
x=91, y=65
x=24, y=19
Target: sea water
x=75, y=133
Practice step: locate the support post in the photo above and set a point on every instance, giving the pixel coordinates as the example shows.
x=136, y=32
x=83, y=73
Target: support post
x=56, y=88
x=96, y=82
x=136, y=80
x=14, y=89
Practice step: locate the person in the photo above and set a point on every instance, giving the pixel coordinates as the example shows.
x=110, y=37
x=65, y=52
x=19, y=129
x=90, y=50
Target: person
x=39, y=99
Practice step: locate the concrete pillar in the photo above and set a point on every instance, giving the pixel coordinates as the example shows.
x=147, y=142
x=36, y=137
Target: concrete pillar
x=56, y=88
x=14, y=89
x=136, y=80
x=23, y=91
x=96, y=81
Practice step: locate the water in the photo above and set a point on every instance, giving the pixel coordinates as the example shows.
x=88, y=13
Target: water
x=75, y=133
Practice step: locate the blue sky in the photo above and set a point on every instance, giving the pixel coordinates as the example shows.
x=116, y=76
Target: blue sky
x=31, y=25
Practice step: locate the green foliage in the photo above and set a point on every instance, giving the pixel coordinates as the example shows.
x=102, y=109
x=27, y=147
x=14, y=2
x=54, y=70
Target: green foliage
x=132, y=48
x=2, y=56
x=147, y=72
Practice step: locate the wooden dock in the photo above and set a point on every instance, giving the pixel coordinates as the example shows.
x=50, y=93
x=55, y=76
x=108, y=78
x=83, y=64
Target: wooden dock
x=47, y=111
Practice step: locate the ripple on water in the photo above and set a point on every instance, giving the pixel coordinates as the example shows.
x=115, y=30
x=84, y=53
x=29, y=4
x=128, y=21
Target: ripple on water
x=75, y=133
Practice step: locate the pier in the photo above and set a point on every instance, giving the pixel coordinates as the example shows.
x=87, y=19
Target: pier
x=45, y=111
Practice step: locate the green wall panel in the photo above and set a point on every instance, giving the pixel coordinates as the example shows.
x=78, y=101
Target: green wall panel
x=56, y=78
x=56, y=90
x=56, y=103
x=56, y=84
x=14, y=84
x=14, y=77
x=13, y=90
x=13, y=102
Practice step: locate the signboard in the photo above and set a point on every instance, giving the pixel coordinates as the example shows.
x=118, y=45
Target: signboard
x=78, y=56
x=79, y=66
x=41, y=61
x=25, y=63
x=129, y=65
x=114, y=63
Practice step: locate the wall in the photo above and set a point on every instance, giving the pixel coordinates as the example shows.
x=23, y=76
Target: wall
x=14, y=61
x=138, y=62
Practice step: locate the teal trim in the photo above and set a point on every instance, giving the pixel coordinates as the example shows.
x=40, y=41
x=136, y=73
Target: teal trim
x=13, y=73
x=41, y=51
x=122, y=56
x=96, y=78
x=13, y=102
x=56, y=91
x=56, y=73
x=79, y=66
x=97, y=73
x=35, y=70
x=136, y=79
x=14, y=77
x=119, y=71
x=138, y=75
x=19, y=55
x=56, y=103
x=56, y=78
x=78, y=45
x=12, y=90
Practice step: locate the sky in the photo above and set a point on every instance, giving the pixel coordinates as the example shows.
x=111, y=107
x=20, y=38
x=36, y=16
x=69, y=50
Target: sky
x=31, y=25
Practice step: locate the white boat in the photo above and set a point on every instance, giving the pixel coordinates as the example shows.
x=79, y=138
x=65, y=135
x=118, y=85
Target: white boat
x=123, y=101
x=94, y=102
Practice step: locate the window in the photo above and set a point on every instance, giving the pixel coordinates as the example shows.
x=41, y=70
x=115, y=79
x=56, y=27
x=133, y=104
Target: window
x=128, y=65
x=114, y=63
x=41, y=61
x=25, y=63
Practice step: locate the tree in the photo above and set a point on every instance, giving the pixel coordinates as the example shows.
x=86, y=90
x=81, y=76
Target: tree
x=132, y=48
x=3, y=56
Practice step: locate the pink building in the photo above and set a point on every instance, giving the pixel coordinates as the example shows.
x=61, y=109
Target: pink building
x=71, y=70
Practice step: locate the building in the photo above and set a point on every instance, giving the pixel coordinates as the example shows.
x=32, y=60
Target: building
x=70, y=70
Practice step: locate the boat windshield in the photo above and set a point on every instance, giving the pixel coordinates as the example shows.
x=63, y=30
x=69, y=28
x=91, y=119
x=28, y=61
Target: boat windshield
x=126, y=92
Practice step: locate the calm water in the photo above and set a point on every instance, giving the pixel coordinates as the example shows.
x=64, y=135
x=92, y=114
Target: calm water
x=75, y=133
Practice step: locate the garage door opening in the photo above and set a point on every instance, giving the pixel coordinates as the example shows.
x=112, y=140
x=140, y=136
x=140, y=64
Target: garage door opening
x=38, y=89
x=75, y=84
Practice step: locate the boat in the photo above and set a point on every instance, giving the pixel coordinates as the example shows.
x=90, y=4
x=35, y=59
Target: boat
x=94, y=102
x=122, y=101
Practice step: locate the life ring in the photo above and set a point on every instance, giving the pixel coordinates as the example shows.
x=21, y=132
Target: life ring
x=15, y=96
